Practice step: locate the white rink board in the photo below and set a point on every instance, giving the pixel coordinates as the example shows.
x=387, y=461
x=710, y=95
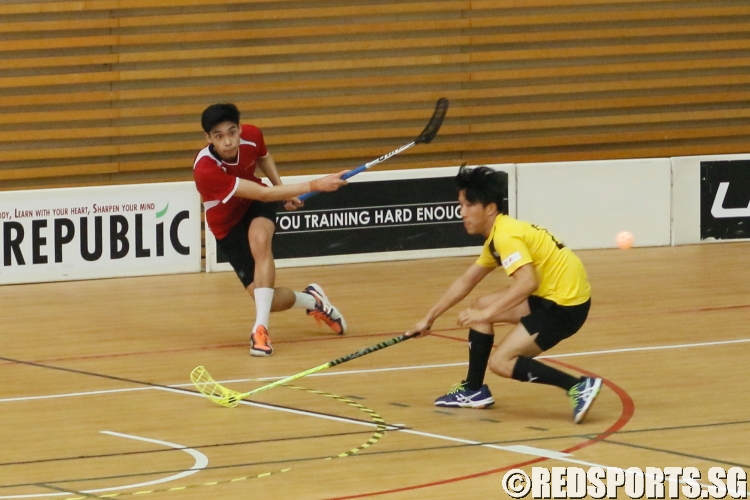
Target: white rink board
x=585, y=204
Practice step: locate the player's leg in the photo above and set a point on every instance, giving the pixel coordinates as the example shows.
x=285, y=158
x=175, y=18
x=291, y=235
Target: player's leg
x=545, y=326
x=235, y=247
x=269, y=298
x=260, y=236
x=473, y=392
x=513, y=358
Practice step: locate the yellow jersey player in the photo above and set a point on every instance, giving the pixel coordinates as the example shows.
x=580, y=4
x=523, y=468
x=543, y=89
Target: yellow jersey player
x=548, y=300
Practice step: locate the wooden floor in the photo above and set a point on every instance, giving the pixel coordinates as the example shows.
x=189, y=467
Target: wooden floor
x=96, y=397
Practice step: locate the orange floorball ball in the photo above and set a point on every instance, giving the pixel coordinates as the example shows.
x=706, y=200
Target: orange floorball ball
x=624, y=240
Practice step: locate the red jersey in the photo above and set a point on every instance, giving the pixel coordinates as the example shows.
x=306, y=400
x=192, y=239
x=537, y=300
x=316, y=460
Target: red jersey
x=218, y=180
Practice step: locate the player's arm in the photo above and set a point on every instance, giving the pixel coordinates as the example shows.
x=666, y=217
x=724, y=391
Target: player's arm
x=524, y=284
x=254, y=191
x=268, y=167
x=455, y=293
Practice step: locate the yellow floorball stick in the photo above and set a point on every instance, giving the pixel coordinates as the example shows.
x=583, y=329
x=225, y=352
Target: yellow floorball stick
x=206, y=385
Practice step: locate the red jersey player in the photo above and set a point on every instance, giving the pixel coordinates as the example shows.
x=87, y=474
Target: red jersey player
x=241, y=213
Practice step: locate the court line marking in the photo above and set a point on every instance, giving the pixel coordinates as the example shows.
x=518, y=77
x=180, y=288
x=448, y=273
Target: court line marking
x=464, y=363
x=628, y=409
x=554, y=455
x=539, y=453
x=390, y=369
x=376, y=436
x=201, y=461
x=323, y=339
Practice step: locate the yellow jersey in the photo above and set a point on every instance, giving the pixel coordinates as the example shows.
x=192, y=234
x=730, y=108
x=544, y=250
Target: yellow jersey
x=513, y=243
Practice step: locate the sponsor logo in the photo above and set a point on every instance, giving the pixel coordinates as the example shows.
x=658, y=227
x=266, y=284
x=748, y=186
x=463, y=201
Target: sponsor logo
x=718, y=210
x=37, y=237
x=508, y=261
x=725, y=199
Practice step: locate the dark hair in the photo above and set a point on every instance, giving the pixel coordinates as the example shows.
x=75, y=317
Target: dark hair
x=219, y=113
x=484, y=185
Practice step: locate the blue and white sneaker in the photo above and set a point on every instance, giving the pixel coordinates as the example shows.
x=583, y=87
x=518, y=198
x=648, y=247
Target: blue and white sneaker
x=461, y=397
x=582, y=396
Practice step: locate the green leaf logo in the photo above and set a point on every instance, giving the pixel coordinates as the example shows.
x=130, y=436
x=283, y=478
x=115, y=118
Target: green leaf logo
x=162, y=212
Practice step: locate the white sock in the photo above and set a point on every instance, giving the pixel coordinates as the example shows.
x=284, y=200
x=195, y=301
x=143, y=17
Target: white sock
x=304, y=300
x=263, y=300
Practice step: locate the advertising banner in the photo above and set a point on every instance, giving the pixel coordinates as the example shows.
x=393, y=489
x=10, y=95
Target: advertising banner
x=384, y=215
x=99, y=232
x=725, y=199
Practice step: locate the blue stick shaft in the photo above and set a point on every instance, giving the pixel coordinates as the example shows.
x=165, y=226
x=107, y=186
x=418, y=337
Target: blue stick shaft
x=364, y=167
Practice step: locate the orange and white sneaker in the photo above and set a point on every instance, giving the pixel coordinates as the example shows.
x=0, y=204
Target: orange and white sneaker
x=324, y=311
x=260, y=344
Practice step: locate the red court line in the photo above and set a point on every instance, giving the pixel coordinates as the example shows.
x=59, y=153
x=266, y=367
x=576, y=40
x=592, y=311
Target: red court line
x=628, y=409
x=202, y=348
x=319, y=339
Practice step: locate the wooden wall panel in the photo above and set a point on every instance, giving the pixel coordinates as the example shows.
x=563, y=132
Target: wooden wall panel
x=111, y=91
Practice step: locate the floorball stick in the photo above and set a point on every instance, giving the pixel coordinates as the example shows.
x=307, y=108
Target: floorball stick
x=427, y=135
x=206, y=385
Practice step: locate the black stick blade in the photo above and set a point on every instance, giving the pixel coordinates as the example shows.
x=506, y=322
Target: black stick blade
x=431, y=130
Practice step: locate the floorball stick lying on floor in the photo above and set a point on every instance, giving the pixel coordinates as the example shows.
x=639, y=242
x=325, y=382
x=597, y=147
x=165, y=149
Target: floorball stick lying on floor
x=206, y=385
x=427, y=135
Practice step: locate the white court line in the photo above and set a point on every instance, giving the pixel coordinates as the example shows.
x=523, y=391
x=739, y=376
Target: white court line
x=563, y=457
x=380, y=370
x=652, y=348
x=464, y=363
x=201, y=461
x=75, y=394
x=521, y=449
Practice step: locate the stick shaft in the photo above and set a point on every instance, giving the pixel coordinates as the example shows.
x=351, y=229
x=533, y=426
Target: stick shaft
x=427, y=135
x=368, y=350
x=335, y=362
x=285, y=380
x=364, y=167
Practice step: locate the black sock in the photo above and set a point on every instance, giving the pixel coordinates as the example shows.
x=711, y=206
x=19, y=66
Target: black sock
x=480, y=348
x=531, y=370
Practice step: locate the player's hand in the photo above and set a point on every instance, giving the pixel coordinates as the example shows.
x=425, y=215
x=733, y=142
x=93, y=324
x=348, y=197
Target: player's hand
x=469, y=317
x=329, y=182
x=293, y=204
x=421, y=329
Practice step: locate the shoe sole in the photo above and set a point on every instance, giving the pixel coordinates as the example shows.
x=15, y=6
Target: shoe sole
x=580, y=416
x=320, y=292
x=479, y=405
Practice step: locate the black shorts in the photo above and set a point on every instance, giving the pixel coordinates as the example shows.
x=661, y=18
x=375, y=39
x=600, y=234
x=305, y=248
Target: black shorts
x=235, y=247
x=553, y=322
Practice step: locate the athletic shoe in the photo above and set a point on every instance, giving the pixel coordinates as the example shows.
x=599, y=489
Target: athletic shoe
x=260, y=344
x=324, y=311
x=461, y=397
x=582, y=395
